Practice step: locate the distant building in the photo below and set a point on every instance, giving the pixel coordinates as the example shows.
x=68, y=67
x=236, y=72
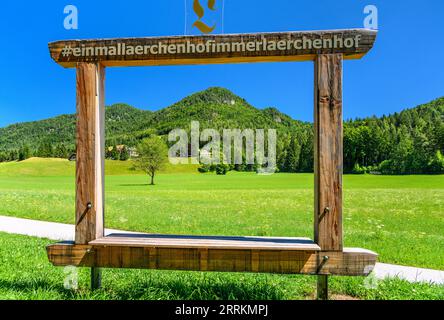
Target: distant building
x=132, y=152
x=119, y=148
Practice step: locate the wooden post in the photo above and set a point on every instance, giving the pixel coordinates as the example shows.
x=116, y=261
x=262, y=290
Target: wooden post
x=96, y=278
x=322, y=288
x=90, y=156
x=328, y=149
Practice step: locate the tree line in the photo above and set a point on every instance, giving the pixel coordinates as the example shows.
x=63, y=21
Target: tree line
x=46, y=149
x=408, y=142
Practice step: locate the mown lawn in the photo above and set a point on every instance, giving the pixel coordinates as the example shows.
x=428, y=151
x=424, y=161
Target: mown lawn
x=399, y=217
x=25, y=273
x=38, y=167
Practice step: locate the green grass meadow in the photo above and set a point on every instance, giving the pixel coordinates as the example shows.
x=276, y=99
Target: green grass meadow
x=399, y=217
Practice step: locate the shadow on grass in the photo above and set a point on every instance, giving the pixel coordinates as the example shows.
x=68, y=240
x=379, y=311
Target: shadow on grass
x=37, y=289
x=181, y=286
x=136, y=185
x=166, y=287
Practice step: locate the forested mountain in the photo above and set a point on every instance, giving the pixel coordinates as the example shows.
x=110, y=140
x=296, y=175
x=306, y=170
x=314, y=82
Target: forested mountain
x=121, y=120
x=411, y=141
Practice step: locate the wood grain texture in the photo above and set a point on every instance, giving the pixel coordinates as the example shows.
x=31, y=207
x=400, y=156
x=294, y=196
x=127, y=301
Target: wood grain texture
x=351, y=262
x=328, y=152
x=90, y=152
x=207, y=242
x=366, y=42
x=322, y=287
x=324, y=256
x=96, y=278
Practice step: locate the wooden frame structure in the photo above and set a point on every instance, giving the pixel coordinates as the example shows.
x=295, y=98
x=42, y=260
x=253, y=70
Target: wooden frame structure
x=324, y=256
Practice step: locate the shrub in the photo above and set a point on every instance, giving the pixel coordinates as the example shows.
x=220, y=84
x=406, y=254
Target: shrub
x=203, y=169
x=221, y=169
x=124, y=154
x=357, y=169
x=240, y=167
x=387, y=167
x=436, y=165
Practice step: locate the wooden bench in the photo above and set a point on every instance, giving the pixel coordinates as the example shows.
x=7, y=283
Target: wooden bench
x=206, y=253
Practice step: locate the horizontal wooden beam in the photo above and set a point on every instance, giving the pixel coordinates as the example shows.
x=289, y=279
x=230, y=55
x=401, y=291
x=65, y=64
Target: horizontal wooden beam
x=207, y=242
x=214, y=49
x=351, y=262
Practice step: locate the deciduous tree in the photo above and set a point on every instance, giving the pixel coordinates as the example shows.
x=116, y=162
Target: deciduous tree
x=152, y=156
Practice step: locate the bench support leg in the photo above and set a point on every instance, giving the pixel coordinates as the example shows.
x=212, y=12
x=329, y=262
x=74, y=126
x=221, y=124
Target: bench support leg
x=322, y=288
x=96, y=278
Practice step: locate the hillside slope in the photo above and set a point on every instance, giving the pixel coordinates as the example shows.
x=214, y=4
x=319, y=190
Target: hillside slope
x=411, y=141
x=213, y=108
x=50, y=167
x=121, y=119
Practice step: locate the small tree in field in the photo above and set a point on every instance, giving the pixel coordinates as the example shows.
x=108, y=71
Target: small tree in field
x=152, y=156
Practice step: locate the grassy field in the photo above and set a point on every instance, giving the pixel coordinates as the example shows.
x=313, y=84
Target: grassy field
x=25, y=273
x=399, y=217
x=37, y=167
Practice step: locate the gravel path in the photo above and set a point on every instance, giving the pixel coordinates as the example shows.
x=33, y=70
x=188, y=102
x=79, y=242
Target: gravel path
x=59, y=231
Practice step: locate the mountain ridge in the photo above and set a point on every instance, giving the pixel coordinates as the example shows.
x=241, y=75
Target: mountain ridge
x=213, y=107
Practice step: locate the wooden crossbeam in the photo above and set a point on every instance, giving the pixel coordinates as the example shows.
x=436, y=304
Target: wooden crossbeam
x=213, y=49
x=351, y=262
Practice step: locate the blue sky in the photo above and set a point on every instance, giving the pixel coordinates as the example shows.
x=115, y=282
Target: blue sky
x=405, y=68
